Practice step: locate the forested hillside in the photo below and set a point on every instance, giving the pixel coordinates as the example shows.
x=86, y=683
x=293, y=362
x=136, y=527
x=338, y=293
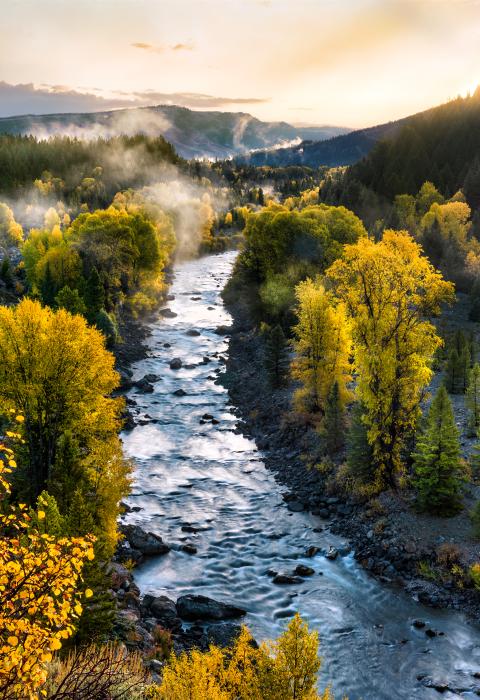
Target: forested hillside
x=441, y=145
x=193, y=133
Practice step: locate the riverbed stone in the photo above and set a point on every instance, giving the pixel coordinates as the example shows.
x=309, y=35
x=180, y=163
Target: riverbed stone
x=302, y=570
x=175, y=363
x=164, y=610
x=198, y=607
x=148, y=543
x=286, y=579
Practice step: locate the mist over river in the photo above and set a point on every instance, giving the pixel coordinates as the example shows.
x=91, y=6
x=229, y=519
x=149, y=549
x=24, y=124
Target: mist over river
x=208, y=476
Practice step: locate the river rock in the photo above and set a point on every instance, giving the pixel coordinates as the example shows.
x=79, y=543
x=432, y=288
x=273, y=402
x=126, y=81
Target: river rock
x=147, y=543
x=311, y=551
x=223, y=330
x=176, y=363
x=189, y=548
x=302, y=570
x=295, y=506
x=286, y=579
x=180, y=392
x=332, y=554
x=163, y=609
x=199, y=607
x=144, y=386
x=193, y=333
x=167, y=313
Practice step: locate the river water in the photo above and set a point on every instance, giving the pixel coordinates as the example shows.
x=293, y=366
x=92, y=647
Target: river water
x=209, y=477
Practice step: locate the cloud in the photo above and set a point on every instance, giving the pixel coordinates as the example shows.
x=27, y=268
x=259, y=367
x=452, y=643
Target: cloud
x=153, y=48
x=50, y=99
x=197, y=100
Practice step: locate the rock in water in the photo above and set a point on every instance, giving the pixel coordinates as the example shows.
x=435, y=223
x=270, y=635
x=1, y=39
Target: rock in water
x=176, y=363
x=147, y=543
x=199, y=607
x=303, y=570
x=163, y=609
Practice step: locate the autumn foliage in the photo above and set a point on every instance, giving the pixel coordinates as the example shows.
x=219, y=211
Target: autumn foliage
x=40, y=591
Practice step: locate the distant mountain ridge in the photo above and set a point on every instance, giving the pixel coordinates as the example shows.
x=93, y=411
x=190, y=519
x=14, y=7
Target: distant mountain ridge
x=193, y=133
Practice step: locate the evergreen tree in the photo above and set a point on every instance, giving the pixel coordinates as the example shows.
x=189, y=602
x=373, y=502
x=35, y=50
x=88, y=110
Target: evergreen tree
x=261, y=197
x=334, y=422
x=47, y=287
x=71, y=300
x=94, y=294
x=452, y=372
x=107, y=324
x=359, y=449
x=475, y=518
x=436, y=461
x=458, y=364
x=276, y=356
x=473, y=397
x=6, y=272
x=474, y=314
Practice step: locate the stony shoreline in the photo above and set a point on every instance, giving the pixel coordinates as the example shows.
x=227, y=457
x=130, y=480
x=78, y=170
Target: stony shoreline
x=382, y=544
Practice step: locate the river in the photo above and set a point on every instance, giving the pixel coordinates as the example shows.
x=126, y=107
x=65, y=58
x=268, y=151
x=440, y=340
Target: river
x=212, y=478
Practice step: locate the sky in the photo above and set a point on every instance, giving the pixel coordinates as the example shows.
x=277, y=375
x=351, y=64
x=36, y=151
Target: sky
x=349, y=63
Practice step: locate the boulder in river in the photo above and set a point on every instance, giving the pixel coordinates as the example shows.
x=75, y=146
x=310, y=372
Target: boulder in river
x=332, y=554
x=295, y=506
x=193, y=333
x=167, y=313
x=144, y=386
x=286, y=579
x=302, y=570
x=164, y=610
x=147, y=543
x=176, y=363
x=223, y=330
x=199, y=607
x=180, y=392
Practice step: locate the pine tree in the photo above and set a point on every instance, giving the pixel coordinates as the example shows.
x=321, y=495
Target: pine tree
x=359, y=449
x=276, y=357
x=334, y=422
x=452, y=372
x=261, y=197
x=473, y=397
x=47, y=287
x=475, y=301
x=94, y=294
x=6, y=272
x=436, y=461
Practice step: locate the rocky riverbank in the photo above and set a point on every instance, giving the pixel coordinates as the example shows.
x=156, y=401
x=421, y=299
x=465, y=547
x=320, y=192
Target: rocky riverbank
x=389, y=539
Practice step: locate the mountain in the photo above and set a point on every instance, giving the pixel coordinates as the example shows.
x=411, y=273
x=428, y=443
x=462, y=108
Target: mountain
x=441, y=145
x=343, y=149
x=354, y=146
x=194, y=134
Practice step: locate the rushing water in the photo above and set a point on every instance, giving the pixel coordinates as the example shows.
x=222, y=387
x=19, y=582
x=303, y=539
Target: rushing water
x=212, y=478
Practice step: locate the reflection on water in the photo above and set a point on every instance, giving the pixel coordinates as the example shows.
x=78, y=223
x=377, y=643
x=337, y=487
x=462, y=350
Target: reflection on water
x=192, y=472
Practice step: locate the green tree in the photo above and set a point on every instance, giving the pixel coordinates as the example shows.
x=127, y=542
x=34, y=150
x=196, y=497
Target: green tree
x=334, y=421
x=359, y=449
x=70, y=300
x=276, y=355
x=107, y=324
x=436, y=461
x=473, y=397
x=94, y=294
x=48, y=289
x=6, y=272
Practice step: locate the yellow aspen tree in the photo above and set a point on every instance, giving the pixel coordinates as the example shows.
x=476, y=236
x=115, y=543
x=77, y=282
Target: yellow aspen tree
x=40, y=592
x=390, y=291
x=323, y=347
